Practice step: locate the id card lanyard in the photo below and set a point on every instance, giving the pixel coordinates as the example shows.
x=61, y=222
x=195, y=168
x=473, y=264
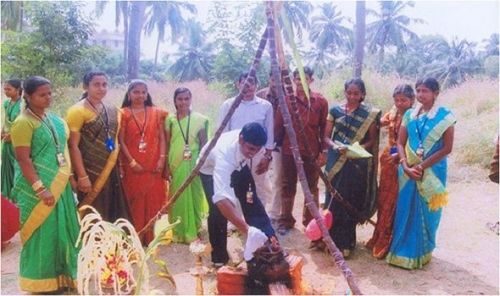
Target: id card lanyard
x=61, y=160
x=142, y=130
x=110, y=143
x=186, y=155
x=420, y=149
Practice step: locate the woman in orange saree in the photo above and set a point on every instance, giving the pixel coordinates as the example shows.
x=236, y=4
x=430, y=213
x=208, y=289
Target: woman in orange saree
x=142, y=141
x=404, y=96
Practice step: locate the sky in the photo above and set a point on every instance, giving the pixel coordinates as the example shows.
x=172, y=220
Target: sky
x=471, y=20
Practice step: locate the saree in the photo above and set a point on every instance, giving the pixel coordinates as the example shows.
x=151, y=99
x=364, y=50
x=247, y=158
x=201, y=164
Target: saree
x=387, y=190
x=145, y=191
x=106, y=195
x=191, y=206
x=354, y=179
x=11, y=111
x=51, y=229
x=419, y=205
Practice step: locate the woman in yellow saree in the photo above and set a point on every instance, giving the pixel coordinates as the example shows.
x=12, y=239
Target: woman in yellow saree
x=94, y=127
x=49, y=223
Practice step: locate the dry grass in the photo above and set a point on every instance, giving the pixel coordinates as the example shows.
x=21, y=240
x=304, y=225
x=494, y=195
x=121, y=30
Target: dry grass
x=474, y=103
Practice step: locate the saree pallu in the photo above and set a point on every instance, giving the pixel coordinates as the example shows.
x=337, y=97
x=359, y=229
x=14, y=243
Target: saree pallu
x=145, y=191
x=354, y=179
x=191, y=206
x=106, y=195
x=11, y=111
x=387, y=190
x=419, y=205
x=48, y=259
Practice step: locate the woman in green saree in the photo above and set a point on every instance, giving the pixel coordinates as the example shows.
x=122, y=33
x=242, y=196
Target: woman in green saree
x=186, y=132
x=11, y=107
x=48, y=213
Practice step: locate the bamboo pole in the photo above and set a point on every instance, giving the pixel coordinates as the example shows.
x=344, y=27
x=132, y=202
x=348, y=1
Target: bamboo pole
x=311, y=205
x=211, y=145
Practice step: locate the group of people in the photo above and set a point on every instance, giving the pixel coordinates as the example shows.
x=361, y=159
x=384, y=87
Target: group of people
x=123, y=162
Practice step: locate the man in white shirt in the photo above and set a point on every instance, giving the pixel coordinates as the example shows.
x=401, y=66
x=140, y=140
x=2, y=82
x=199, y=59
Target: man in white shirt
x=253, y=109
x=227, y=181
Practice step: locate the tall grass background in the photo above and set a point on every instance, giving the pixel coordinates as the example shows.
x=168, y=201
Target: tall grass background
x=474, y=103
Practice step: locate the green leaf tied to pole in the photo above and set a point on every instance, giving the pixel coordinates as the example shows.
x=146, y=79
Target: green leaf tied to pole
x=296, y=56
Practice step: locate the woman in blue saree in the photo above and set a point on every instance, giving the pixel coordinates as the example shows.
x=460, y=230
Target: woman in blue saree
x=426, y=138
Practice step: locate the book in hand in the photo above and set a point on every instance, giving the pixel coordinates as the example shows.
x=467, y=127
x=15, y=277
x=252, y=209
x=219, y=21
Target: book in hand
x=354, y=150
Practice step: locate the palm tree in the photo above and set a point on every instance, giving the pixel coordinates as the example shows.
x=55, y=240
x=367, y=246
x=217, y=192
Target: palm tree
x=359, y=41
x=454, y=64
x=195, y=55
x=137, y=16
x=491, y=44
x=321, y=61
x=162, y=14
x=327, y=30
x=298, y=14
x=391, y=28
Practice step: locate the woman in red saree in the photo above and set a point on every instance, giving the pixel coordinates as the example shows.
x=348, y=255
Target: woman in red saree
x=142, y=142
x=404, y=96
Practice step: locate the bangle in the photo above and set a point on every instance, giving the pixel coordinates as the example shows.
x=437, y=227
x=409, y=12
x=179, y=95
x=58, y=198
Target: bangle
x=40, y=192
x=37, y=185
x=83, y=178
x=132, y=163
x=402, y=160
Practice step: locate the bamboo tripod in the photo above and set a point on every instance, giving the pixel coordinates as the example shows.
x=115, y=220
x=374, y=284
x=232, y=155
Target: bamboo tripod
x=273, y=36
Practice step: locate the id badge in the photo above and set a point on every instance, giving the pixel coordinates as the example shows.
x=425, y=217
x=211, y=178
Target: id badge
x=110, y=144
x=142, y=146
x=61, y=161
x=249, y=196
x=186, y=155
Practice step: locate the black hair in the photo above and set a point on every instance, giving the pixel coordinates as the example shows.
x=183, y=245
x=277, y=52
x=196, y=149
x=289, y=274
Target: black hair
x=359, y=83
x=405, y=90
x=244, y=75
x=127, y=103
x=31, y=84
x=307, y=70
x=429, y=82
x=17, y=84
x=254, y=134
x=181, y=90
x=87, y=78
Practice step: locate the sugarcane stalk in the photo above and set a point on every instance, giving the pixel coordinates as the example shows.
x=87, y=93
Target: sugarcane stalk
x=211, y=145
x=309, y=201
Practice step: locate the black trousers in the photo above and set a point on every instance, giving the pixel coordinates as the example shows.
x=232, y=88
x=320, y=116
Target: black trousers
x=217, y=223
x=254, y=213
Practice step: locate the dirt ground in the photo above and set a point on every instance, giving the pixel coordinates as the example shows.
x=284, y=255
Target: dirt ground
x=466, y=260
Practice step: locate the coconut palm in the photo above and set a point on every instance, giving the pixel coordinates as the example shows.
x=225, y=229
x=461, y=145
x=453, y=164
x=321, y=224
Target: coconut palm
x=195, y=55
x=455, y=63
x=327, y=30
x=359, y=41
x=390, y=28
x=491, y=44
x=298, y=14
x=163, y=14
x=137, y=17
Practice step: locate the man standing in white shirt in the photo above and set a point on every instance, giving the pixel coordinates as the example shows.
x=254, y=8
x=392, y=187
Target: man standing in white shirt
x=253, y=109
x=227, y=181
